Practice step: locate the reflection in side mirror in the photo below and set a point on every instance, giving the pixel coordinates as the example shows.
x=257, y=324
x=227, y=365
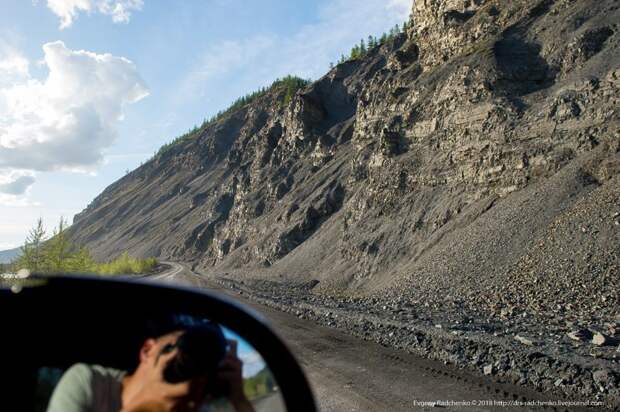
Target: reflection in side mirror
x=223, y=372
x=147, y=356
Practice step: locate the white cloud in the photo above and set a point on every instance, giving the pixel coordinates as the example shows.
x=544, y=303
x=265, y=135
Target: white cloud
x=13, y=66
x=15, y=183
x=66, y=121
x=306, y=53
x=68, y=10
x=253, y=363
x=15, y=201
x=219, y=59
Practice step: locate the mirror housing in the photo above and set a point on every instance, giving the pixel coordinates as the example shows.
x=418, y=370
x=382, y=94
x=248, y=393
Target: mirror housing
x=60, y=320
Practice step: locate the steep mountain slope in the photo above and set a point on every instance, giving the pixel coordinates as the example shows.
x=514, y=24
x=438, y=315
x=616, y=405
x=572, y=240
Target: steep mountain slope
x=475, y=158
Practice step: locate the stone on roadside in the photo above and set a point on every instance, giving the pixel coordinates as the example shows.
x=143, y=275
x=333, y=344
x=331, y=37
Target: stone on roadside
x=600, y=339
x=488, y=370
x=506, y=312
x=605, y=377
x=525, y=341
x=580, y=335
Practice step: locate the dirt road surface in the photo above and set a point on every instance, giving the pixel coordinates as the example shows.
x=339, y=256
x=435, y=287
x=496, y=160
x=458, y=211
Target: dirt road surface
x=349, y=374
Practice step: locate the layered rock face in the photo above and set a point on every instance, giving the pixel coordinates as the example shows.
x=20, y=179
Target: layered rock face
x=475, y=158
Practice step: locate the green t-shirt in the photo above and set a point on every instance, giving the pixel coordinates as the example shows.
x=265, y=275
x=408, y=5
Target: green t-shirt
x=88, y=388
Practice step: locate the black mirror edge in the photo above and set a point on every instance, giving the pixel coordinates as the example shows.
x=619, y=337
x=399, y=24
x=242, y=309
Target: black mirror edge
x=246, y=322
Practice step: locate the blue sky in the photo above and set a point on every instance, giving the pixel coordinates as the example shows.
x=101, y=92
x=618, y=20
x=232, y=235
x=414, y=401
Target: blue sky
x=92, y=88
x=253, y=361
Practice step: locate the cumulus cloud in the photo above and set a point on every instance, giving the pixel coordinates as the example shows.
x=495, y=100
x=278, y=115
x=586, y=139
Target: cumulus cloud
x=65, y=121
x=68, y=10
x=13, y=66
x=15, y=185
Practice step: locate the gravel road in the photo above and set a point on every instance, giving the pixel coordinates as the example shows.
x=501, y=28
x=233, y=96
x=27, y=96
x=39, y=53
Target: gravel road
x=350, y=374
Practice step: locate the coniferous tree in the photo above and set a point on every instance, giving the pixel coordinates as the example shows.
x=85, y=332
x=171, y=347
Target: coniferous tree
x=371, y=42
x=58, y=249
x=80, y=261
x=32, y=257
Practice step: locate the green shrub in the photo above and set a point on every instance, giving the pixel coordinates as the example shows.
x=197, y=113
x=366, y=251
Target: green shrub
x=127, y=265
x=59, y=255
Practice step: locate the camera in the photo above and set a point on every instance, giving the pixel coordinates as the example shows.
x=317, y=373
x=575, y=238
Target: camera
x=200, y=350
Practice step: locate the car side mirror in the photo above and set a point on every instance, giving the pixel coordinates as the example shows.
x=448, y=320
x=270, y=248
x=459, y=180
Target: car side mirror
x=62, y=330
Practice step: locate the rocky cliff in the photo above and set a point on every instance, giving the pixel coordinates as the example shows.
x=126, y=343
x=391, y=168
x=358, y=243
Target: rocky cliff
x=475, y=158
x=455, y=148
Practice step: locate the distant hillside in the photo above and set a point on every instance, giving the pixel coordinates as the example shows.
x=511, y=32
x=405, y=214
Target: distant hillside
x=6, y=256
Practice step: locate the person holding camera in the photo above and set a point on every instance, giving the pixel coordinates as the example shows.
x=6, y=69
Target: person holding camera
x=177, y=371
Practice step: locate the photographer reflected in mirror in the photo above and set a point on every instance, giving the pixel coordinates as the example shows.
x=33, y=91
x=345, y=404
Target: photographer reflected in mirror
x=180, y=368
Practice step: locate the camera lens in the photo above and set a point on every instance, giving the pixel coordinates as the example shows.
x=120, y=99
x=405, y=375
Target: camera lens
x=200, y=351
